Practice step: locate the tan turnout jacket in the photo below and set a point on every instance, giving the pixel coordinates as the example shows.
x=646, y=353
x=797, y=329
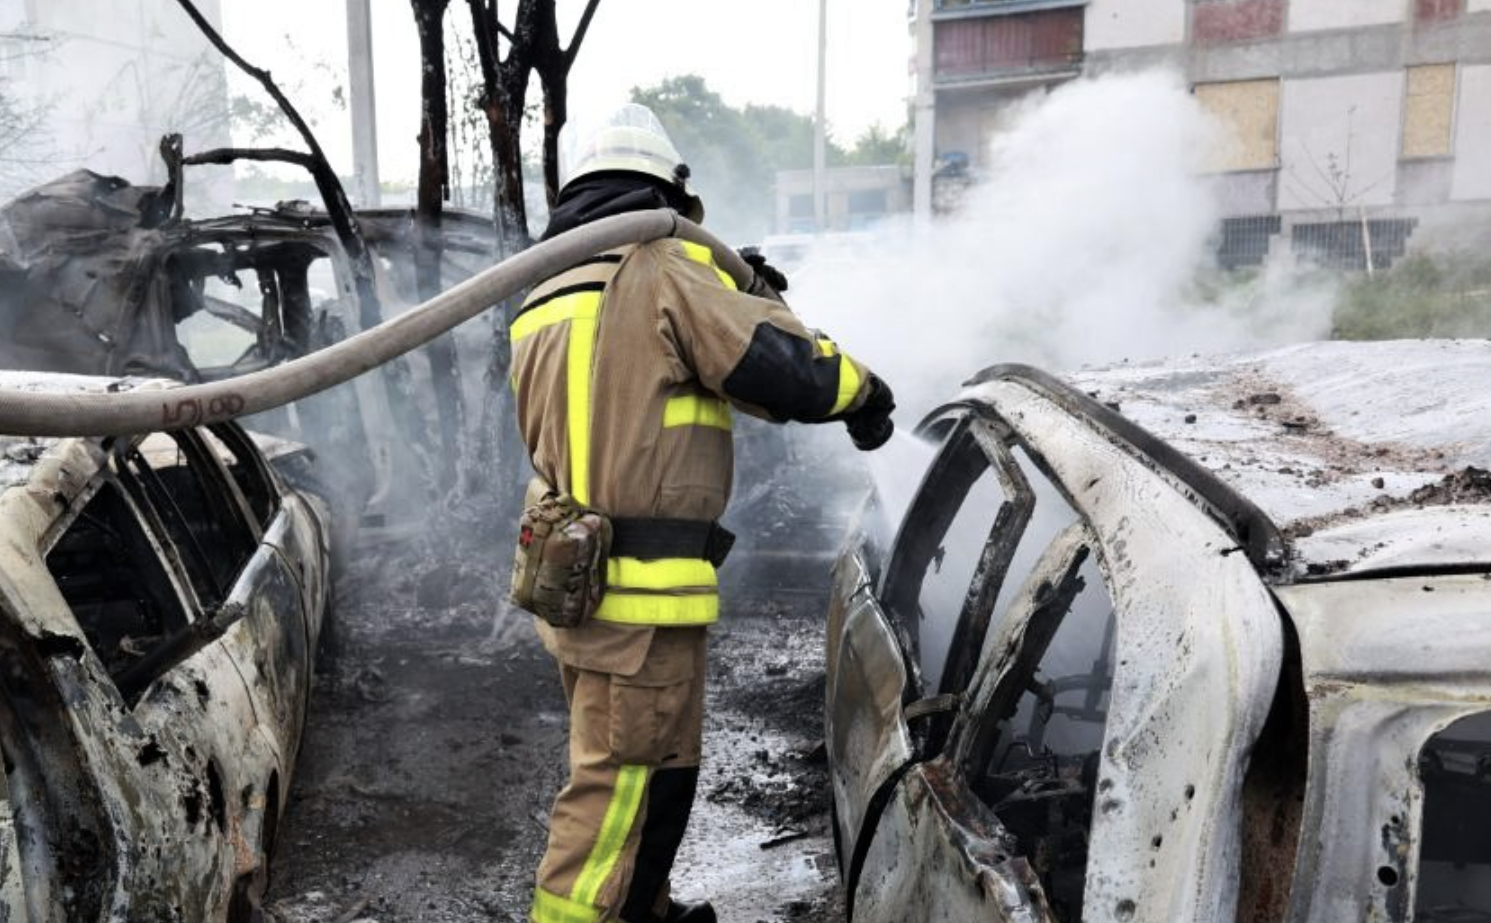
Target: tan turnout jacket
x=626, y=369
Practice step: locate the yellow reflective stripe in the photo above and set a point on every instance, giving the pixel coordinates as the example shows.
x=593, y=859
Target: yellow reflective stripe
x=555, y=312
x=661, y=574
x=551, y=908
x=583, y=322
x=696, y=410
x=702, y=254
x=657, y=607
x=849, y=382
x=621, y=813
x=622, y=608
x=849, y=378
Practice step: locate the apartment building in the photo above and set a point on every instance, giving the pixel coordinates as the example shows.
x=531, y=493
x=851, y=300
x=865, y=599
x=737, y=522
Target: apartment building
x=1354, y=127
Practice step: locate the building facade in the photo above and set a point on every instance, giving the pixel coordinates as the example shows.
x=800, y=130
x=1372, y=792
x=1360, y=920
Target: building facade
x=1352, y=126
x=855, y=198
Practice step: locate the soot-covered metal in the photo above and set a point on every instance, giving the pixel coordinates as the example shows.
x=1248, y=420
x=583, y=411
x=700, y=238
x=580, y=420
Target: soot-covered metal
x=1158, y=724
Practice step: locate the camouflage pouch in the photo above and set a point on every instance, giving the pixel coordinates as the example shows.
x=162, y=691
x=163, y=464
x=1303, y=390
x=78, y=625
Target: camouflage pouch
x=559, y=574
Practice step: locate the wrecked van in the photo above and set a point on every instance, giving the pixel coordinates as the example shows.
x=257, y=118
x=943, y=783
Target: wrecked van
x=161, y=600
x=1193, y=641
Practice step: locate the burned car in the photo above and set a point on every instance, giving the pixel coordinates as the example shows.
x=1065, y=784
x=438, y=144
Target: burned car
x=161, y=599
x=1194, y=641
x=102, y=277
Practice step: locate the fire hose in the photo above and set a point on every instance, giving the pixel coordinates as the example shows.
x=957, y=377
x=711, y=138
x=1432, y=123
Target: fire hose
x=27, y=413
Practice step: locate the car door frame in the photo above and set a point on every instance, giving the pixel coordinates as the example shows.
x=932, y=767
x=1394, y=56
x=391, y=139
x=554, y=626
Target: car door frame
x=893, y=725
x=1197, y=659
x=933, y=826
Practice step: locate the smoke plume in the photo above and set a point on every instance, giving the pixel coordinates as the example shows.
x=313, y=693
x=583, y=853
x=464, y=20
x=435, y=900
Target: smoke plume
x=1089, y=242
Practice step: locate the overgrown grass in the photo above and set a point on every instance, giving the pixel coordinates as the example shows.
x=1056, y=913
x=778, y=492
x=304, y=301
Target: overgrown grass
x=1421, y=296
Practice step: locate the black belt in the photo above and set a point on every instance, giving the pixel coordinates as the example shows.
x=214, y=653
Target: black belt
x=651, y=539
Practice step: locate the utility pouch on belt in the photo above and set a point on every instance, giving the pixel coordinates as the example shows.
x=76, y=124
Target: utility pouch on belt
x=560, y=571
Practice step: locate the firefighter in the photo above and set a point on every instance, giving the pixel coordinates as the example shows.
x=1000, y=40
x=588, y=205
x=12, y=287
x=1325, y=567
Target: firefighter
x=627, y=369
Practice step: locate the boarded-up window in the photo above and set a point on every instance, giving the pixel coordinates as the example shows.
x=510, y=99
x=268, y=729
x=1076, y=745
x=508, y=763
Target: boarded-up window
x=1429, y=109
x=1249, y=113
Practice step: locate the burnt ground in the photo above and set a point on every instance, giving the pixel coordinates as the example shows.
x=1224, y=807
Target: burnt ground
x=436, y=742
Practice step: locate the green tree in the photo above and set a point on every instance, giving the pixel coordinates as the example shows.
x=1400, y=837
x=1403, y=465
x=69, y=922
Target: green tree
x=727, y=159
x=879, y=146
x=736, y=153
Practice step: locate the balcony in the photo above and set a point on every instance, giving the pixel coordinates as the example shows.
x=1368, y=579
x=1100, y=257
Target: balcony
x=1008, y=47
x=978, y=9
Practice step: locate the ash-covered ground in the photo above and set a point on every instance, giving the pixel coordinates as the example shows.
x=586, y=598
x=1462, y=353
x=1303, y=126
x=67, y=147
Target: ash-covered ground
x=436, y=743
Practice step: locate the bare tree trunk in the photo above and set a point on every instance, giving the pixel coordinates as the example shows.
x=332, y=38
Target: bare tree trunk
x=533, y=44
x=556, y=113
x=434, y=188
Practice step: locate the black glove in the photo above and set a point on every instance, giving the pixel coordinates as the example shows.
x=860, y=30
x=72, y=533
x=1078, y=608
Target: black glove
x=870, y=427
x=769, y=274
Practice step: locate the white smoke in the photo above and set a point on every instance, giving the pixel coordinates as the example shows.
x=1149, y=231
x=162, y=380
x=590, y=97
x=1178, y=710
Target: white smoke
x=1086, y=244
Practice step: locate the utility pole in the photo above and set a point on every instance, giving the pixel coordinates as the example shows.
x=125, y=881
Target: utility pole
x=364, y=101
x=820, y=128
x=925, y=106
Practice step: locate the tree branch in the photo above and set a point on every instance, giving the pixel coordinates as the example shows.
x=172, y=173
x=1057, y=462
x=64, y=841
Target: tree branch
x=338, y=206
x=573, y=50
x=224, y=156
x=260, y=75
x=482, y=18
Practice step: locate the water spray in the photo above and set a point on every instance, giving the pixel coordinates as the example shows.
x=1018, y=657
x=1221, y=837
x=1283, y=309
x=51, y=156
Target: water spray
x=27, y=413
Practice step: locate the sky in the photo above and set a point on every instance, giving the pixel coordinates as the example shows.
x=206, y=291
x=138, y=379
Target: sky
x=750, y=51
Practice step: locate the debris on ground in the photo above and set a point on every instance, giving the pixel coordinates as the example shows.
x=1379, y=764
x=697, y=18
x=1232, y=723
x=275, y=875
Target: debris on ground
x=436, y=740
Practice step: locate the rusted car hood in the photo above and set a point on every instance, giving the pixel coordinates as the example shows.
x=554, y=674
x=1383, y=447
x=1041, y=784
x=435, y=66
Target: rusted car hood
x=1367, y=455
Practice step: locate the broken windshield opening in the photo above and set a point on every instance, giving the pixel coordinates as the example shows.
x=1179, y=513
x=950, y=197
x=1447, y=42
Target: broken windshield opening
x=241, y=307
x=1454, y=876
x=110, y=573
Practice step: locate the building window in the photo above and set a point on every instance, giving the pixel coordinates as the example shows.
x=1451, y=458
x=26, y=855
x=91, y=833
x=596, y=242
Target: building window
x=1429, y=110
x=1245, y=241
x=1344, y=244
x=801, y=216
x=1219, y=22
x=1248, y=111
x=866, y=206
x=1429, y=11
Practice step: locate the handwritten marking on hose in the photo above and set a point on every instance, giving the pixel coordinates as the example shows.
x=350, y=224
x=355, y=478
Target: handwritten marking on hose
x=191, y=411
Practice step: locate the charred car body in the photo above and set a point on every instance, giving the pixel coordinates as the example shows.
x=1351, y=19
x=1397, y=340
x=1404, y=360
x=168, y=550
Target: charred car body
x=1200, y=641
x=101, y=277
x=161, y=598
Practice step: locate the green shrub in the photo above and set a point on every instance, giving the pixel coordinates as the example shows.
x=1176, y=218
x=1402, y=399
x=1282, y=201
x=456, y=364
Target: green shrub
x=1421, y=296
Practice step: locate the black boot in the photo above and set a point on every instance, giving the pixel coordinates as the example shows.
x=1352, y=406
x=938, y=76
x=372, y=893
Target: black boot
x=699, y=912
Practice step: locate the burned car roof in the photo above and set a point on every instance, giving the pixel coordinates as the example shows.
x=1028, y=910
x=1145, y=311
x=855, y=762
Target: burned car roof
x=1367, y=456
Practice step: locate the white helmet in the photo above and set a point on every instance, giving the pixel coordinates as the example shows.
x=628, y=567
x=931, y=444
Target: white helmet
x=632, y=140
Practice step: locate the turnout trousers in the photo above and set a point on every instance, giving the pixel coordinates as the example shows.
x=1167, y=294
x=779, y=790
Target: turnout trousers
x=634, y=748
